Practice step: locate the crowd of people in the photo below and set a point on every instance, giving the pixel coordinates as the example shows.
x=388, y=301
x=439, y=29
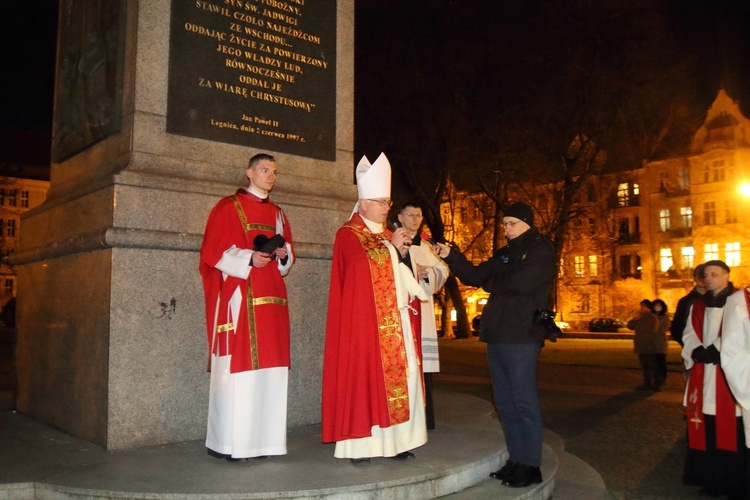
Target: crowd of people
x=381, y=338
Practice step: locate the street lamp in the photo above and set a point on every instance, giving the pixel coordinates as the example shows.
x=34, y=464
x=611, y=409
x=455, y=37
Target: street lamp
x=745, y=189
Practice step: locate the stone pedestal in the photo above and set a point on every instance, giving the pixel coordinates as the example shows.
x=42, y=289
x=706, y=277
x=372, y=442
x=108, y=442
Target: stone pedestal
x=111, y=333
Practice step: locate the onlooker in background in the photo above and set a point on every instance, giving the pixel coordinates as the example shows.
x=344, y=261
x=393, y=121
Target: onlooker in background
x=735, y=361
x=682, y=313
x=645, y=346
x=431, y=273
x=715, y=455
x=659, y=308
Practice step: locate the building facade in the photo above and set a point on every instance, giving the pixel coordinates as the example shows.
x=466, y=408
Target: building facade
x=17, y=195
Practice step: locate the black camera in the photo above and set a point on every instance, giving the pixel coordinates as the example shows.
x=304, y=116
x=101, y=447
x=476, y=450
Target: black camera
x=546, y=318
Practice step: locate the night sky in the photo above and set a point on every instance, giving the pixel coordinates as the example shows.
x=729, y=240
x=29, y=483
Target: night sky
x=715, y=34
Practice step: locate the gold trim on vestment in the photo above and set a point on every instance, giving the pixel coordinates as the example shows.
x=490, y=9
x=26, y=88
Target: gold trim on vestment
x=252, y=332
x=224, y=328
x=269, y=300
x=243, y=219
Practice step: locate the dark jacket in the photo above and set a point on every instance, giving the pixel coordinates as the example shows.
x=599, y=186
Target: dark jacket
x=682, y=314
x=646, y=338
x=518, y=278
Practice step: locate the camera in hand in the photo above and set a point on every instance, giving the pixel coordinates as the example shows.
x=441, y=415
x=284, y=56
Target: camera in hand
x=546, y=318
x=263, y=243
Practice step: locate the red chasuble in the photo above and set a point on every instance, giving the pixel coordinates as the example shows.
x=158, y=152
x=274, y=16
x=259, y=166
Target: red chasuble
x=259, y=338
x=365, y=366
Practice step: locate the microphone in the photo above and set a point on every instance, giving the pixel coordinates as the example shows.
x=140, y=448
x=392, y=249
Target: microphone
x=426, y=236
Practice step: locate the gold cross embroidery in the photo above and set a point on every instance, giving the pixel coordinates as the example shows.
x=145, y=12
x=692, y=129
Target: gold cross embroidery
x=378, y=254
x=390, y=325
x=398, y=398
x=697, y=421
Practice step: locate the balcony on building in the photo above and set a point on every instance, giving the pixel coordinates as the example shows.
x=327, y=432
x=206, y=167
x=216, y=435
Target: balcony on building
x=629, y=239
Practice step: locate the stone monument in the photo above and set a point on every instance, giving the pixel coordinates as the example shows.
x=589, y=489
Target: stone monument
x=159, y=105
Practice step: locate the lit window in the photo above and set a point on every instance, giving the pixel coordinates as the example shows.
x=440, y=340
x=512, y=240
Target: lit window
x=665, y=259
x=627, y=194
x=733, y=254
x=730, y=211
x=686, y=214
x=593, y=266
x=560, y=270
x=711, y=251
x=623, y=194
x=664, y=219
x=688, y=257
x=709, y=213
x=580, y=265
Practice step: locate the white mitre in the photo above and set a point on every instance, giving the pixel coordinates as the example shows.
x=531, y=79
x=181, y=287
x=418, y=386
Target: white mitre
x=373, y=180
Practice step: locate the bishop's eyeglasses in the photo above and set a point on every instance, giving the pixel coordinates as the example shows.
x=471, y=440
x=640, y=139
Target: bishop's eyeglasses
x=382, y=203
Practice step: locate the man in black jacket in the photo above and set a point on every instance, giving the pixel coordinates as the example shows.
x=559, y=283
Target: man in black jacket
x=518, y=278
x=682, y=313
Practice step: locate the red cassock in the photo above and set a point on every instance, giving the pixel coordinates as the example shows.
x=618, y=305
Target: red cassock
x=260, y=337
x=364, y=368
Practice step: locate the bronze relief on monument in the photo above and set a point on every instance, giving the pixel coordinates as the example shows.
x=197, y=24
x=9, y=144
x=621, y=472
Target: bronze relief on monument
x=88, y=91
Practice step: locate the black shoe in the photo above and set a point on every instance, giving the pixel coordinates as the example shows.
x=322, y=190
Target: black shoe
x=505, y=471
x=360, y=461
x=404, y=455
x=523, y=476
x=216, y=454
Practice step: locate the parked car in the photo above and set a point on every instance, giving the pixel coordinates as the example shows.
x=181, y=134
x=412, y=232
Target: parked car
x=605, y=325
x=563, y=325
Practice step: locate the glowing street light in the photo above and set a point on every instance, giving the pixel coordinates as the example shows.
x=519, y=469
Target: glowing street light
x=745, y=189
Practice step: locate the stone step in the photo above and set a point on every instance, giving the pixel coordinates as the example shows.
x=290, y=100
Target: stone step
x=37, y=461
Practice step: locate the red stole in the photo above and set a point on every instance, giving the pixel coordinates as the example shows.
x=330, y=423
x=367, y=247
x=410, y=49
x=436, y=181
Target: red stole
x=390, y=334
x=415, y=320
x=726, y=420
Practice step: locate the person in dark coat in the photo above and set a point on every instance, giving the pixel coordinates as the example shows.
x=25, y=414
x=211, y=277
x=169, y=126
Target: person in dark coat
x=518, y=277
x=682, y=313
x=645, y=345
x=659, y=308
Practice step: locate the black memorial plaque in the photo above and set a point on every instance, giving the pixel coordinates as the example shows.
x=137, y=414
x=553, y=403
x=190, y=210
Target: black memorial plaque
x=258, y=73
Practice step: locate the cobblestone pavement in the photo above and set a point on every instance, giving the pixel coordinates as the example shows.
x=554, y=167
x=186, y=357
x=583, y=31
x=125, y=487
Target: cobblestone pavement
x=634, y=439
